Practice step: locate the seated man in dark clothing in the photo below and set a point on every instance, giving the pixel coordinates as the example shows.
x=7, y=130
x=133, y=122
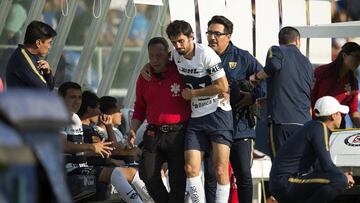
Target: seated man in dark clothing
x=89, y=112
x=26, y=68
x=109, y=121
x=74, y=146
x=292, y=177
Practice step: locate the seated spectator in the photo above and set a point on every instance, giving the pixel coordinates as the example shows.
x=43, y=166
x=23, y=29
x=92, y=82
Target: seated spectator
x=139, y=27
x=337, y=79
x=74, y=145
x=108, y=106
x=14, y=22
x=111, y=111
x=89, y=112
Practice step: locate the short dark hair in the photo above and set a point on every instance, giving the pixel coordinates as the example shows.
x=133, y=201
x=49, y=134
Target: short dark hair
x=89, y=99
x=159, y=40
x=67, y=85
x=228, y=25
x=288, y=35
x=178, y=27
x=108, y=103
x=38, y=30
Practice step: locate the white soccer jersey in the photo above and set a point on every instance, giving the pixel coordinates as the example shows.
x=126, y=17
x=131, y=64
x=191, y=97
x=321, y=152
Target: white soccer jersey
x=204, y=68
x=120, y=138
x=74, y=129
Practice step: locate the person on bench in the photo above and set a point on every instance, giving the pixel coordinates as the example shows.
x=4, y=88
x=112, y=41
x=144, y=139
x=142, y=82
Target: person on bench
x=75, y=147
x=111, y=118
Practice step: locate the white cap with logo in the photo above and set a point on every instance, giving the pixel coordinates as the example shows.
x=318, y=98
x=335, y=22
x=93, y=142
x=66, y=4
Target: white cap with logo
x=327, y=105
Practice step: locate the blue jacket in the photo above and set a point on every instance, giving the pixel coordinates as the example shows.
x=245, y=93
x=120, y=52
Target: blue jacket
x=238, y=65
x=289, y=85
x=22, y=71
x=301, y=151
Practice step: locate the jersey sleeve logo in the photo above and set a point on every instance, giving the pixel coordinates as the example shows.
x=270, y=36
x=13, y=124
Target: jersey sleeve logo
x=232, y=65
x=175, y=89
x=214, y=69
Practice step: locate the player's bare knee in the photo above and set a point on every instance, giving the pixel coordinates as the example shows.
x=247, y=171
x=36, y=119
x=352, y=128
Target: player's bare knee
x=129, y=173
x=191, y=171
x=220, y=170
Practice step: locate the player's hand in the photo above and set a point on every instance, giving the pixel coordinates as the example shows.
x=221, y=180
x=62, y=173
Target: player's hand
x=44, y=67
x=105, y=119
x=103, y=148
x=146, y=72
x=95, y=139
x=224, y=97
x=350, y=179
x=131, y=138
x=187, y=94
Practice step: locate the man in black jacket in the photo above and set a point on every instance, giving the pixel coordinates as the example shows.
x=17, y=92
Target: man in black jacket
x=26, y=67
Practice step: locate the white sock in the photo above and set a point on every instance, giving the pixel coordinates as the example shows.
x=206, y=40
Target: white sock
x=187, y=193
x=202, y=173
x=140, y=187
x=122, y=186
x=222, y=193
x=196, y=189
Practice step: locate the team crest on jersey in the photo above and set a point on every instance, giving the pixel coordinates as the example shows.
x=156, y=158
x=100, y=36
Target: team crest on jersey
x=232, y=65
x=353, y=140
x=175, y=89
x=347, y=89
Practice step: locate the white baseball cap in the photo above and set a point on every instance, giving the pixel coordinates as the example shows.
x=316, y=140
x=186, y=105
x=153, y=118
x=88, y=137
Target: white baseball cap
x=327, y=105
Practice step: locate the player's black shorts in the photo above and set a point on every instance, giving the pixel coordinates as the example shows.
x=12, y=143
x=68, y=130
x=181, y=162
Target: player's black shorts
x=215, y=127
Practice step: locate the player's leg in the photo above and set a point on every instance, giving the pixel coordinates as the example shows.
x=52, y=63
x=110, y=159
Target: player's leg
x=193, y=177
x=313, y=187
x=122, y=186
x=132, y=176
x=317, y=186
x=221, y=153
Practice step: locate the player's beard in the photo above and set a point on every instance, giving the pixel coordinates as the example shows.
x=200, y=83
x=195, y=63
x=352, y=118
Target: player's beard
x=181, y=51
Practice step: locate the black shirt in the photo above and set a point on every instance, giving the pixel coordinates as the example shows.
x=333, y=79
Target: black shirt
x=289, y=85
x=299, y=153
x=22, y=71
